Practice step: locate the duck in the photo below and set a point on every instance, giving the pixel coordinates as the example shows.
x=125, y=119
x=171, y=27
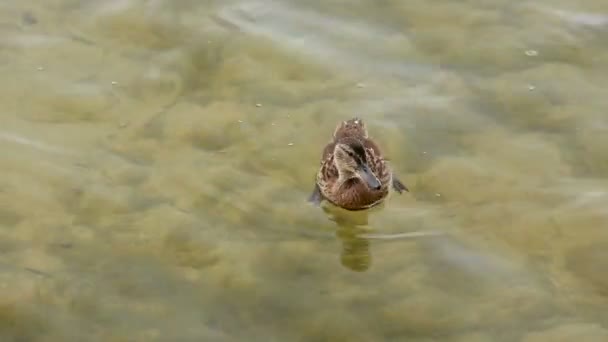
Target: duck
x=353, y=173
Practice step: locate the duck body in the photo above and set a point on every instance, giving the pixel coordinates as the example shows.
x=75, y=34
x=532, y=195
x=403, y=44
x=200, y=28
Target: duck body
x=353, y=173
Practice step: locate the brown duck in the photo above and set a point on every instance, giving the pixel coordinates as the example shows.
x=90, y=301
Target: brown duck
x=353, y=174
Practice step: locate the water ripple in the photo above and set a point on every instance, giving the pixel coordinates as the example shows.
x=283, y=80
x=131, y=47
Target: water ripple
x=357, y=46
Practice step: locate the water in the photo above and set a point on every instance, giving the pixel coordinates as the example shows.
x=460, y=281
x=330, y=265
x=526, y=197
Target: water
x=156, y=157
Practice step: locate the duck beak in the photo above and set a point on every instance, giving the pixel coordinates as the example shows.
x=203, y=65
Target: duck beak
x=369, y=178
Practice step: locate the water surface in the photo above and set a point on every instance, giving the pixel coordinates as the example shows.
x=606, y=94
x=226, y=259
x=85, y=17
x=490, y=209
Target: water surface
x=156, y=157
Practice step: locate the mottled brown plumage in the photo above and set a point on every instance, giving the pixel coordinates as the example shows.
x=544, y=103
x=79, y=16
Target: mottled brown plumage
x=353, y=174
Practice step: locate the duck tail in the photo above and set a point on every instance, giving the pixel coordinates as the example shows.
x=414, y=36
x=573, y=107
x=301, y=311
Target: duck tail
x=354, y=127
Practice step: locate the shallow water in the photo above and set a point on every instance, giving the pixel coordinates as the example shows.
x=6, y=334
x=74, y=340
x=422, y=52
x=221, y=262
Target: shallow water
x=156, y=157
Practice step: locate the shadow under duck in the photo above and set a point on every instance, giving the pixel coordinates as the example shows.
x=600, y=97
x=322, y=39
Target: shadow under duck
x=353, y=174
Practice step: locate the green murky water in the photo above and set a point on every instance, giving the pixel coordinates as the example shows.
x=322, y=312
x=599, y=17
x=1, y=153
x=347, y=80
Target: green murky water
x=156, y=157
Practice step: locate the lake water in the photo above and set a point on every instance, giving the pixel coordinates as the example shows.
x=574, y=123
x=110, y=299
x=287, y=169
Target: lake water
x=156, y=157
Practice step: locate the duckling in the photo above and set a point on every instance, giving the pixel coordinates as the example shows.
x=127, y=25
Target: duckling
x=353, y=174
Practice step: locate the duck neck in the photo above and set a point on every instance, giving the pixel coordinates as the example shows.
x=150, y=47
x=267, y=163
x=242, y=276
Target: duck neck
x=344, y=178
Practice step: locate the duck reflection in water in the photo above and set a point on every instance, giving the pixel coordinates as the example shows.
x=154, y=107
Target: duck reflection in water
x=355, y=234
x=356, y=254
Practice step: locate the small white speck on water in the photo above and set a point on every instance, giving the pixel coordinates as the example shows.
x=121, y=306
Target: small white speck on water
x=240, y=121
x=423, y=152
x=290, y=144
x=40, y=68
x=438, y=194
x=258, y=105
x=273, y=124
x=360, y=85
x=114, y=83
x=123, y=124
x=531, y=53
x=531, y=87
